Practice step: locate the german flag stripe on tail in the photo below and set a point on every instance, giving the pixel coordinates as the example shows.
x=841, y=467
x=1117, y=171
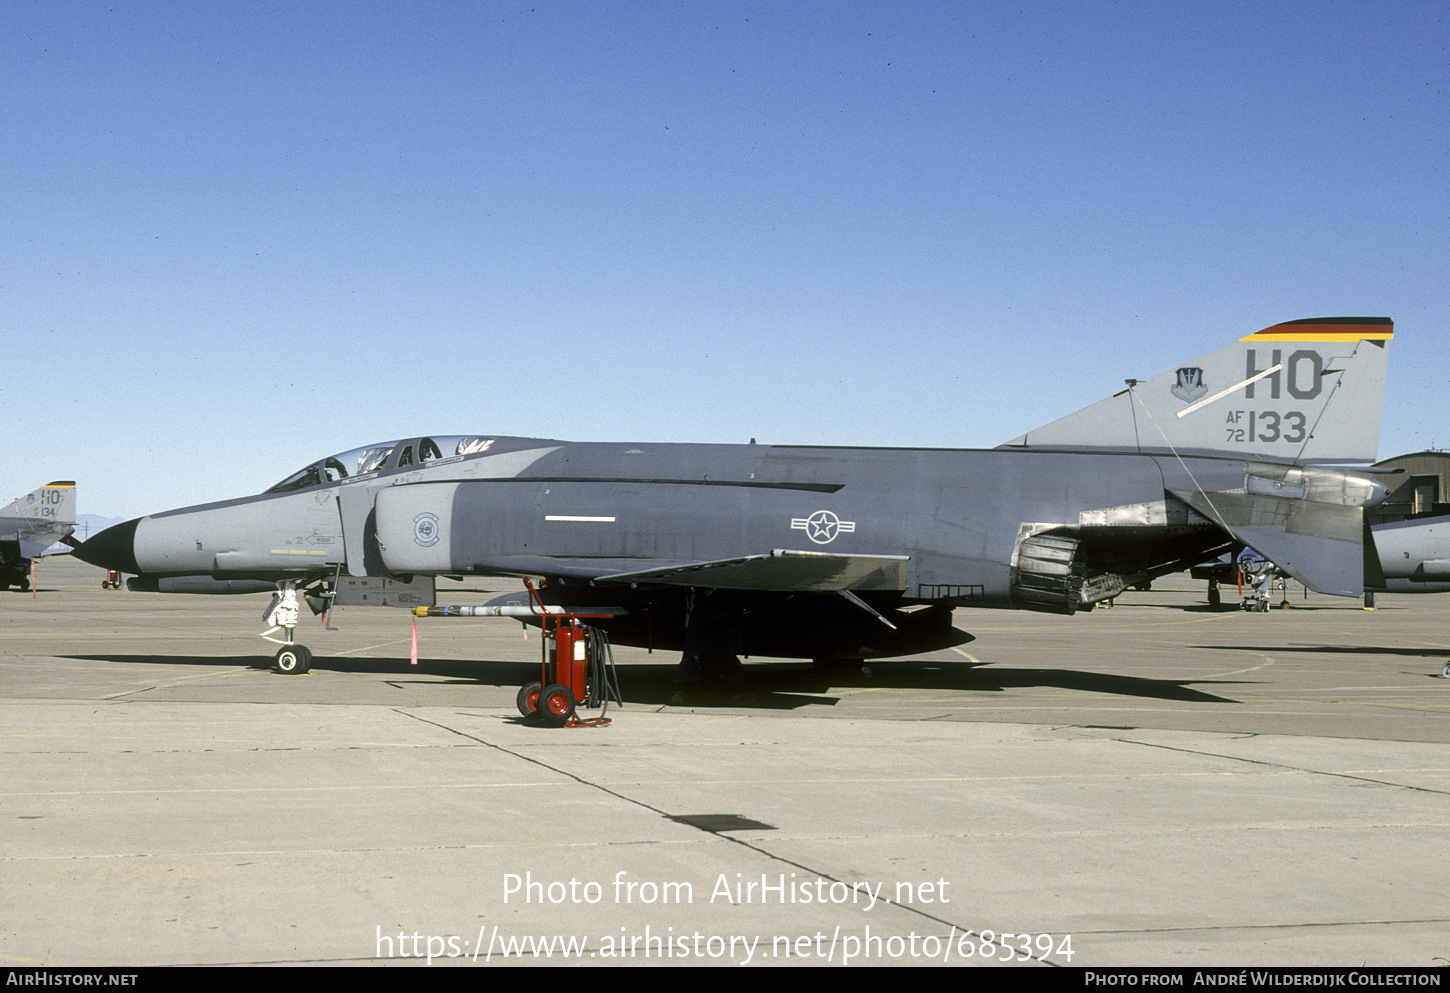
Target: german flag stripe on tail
x=1328, y=329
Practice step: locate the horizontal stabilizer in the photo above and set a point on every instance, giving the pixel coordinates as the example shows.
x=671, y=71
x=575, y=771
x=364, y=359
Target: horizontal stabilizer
x=1304, y=392
x=1333, y=567
x=782, y=570
x=1307, y=521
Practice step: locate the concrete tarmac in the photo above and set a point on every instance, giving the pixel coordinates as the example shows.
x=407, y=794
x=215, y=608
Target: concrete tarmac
x=1155, y=784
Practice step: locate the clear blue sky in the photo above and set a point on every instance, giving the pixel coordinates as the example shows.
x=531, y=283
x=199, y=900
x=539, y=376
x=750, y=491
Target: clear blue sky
x=242, y=235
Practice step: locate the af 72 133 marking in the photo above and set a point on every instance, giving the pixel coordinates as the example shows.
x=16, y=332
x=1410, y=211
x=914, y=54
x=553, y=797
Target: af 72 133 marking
x=1267, y=426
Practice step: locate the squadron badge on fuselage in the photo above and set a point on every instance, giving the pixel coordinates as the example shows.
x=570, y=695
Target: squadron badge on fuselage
x=425, y=530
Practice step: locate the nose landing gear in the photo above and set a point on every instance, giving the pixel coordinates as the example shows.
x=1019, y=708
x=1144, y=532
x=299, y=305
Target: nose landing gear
x=291, y=659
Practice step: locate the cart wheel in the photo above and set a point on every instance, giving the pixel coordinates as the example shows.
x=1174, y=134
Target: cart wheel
x=528, y=700
x=556, y=705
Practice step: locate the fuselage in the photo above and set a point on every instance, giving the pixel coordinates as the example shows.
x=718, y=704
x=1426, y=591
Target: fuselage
x=523, y=506
x=601, y=523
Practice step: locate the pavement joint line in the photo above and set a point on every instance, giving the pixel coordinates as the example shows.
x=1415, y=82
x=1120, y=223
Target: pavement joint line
x=1281, y=765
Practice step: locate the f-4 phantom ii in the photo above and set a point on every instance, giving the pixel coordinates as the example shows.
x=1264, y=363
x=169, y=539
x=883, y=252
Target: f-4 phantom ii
x=30, y=525
x=825, y=553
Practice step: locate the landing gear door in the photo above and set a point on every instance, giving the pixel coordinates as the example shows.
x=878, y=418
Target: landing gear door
x=359, y=531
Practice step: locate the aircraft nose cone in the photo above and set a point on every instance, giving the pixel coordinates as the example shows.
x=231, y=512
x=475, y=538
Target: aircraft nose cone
x=114, y=548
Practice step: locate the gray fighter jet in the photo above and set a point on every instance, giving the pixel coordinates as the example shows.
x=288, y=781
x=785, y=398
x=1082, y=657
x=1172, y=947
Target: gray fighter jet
x=30, y=525
x=1413, y=556
x=722, y=551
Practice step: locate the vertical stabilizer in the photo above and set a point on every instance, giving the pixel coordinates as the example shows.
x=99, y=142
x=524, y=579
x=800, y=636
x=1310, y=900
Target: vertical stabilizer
x=1305, y=391
x=34, y=522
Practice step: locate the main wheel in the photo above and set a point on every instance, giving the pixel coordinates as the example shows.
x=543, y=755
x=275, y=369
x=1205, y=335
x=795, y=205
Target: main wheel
x=556, y=705
x=293, y=660
x=528, y=700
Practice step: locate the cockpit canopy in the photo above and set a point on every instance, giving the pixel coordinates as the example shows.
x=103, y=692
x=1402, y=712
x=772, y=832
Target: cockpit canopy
x=387, y=455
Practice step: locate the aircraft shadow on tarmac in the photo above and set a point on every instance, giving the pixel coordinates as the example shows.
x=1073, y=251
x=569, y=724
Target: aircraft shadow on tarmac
x=783, y=685
x=1367, y=650
x=499, y=673
x=770, y=686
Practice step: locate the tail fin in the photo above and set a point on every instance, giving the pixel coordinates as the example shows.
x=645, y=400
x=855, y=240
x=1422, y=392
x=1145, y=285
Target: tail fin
x=1303, y=392
x=53, y=503
x=45, y=516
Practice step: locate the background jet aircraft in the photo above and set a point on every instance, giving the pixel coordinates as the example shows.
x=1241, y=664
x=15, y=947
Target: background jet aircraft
x=30, y=525
x=827, y=553
x=1412, y=556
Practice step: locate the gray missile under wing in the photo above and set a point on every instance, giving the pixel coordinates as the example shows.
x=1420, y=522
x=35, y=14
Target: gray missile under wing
x=724, y=551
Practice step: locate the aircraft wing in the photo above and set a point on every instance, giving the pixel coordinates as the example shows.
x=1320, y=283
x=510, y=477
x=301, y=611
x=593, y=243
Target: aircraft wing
x=783, y=570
